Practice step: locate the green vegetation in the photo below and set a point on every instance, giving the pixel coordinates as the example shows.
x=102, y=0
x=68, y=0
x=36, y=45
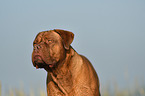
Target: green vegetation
x=136, y=90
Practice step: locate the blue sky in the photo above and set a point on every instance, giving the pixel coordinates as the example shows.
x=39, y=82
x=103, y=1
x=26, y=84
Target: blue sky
x=110, y=33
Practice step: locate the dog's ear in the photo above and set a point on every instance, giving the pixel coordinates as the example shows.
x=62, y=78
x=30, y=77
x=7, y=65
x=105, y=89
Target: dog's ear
x=67, y=37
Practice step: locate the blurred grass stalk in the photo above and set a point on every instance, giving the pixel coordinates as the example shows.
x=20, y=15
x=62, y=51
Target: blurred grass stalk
x=21, y=92
x=136, y=90
x=0, y=89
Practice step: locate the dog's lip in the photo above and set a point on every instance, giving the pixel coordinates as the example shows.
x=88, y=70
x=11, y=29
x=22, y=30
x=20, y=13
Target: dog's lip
x=36, y=66
x=51, y=65
x=37, y=56
x=37, y=59
x=39, y=65
x=43, y=65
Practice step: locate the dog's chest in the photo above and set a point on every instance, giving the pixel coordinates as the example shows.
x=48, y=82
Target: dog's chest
x=61, y=84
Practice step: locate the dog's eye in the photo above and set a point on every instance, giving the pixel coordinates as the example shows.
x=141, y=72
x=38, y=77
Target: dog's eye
x=49, y=41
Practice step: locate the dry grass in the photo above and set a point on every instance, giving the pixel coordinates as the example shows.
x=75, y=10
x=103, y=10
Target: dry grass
x=138, y=89
x=0, y=89
x=107, y=91
x=17, y=92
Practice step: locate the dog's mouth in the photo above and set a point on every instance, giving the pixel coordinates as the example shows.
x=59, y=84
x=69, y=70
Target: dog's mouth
x=40, y=63
x=38, y=59
x=44, y=65
x=51, y=65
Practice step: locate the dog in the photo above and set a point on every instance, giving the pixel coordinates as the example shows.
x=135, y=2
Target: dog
x=68, y=73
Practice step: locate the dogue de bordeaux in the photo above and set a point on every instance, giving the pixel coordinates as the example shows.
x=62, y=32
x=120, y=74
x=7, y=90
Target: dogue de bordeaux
x=68, y=73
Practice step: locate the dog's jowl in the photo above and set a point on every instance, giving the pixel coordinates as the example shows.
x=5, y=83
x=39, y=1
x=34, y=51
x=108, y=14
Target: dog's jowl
x=68, y=73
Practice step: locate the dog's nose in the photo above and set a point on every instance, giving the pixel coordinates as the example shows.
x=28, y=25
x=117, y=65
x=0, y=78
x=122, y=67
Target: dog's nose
x=37, y=47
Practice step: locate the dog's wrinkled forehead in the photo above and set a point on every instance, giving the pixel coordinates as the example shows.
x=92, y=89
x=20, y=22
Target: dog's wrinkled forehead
x=46, y=35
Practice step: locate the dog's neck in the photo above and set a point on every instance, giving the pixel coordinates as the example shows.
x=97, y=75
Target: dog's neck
x=62, y=67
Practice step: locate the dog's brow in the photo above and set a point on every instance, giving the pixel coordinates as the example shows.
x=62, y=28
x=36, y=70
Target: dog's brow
x=38, y=38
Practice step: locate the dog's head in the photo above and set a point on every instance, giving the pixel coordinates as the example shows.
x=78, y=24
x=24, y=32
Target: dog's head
x=50, y=47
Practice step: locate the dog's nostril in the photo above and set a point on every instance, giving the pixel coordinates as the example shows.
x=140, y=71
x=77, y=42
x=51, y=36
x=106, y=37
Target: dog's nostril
x=37, y=47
